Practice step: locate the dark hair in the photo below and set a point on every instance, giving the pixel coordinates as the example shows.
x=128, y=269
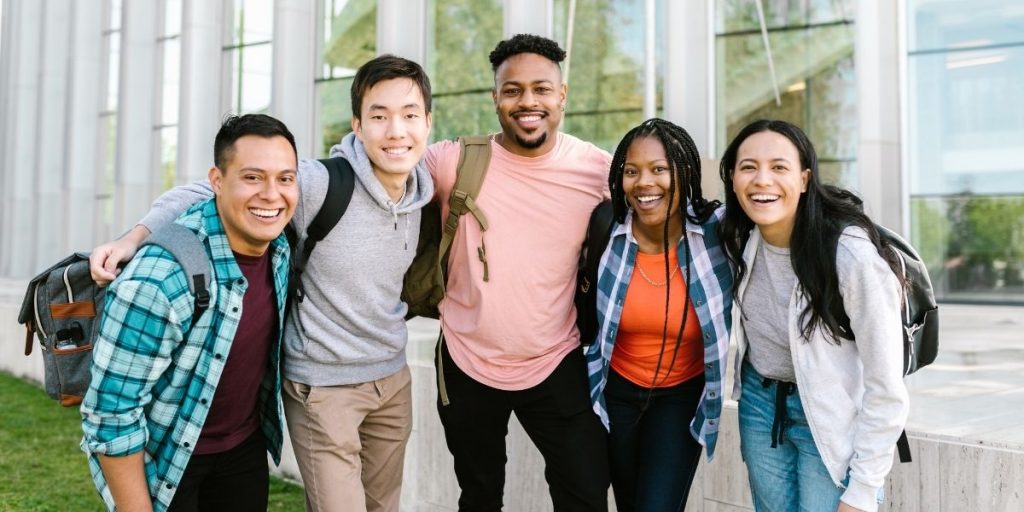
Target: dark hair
x=526, y=43
x=387, y=67
x=236, y=127
x=822, y=213
x=684, y=159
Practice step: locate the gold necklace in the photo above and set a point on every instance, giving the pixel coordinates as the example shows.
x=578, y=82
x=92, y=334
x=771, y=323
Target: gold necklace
x=648, y=279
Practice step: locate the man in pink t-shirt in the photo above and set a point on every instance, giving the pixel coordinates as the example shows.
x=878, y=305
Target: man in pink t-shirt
x=510, y=343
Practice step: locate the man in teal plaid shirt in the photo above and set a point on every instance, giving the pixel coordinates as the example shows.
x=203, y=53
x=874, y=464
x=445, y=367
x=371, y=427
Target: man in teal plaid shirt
x=181, y=410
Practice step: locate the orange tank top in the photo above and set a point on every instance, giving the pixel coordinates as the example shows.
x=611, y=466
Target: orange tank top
x=638, y=343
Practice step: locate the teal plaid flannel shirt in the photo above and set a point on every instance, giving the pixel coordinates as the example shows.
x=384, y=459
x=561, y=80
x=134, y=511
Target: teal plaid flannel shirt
x=710, y=290
x=155, y=368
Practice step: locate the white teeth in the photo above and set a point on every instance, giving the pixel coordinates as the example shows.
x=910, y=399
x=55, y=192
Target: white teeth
x=529, y=118
x=264, y=213
x=648, y=199
x=396, y=151
x=767, y=198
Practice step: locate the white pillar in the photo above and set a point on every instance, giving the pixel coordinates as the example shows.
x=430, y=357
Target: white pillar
x=80, y=148
x=52, y=109
x=199, y=114
x=22, y=33
x=876, y=60
x=528, y=17
x=689, y=88
x=294, y=69
x=136, y=181
x=402, y=29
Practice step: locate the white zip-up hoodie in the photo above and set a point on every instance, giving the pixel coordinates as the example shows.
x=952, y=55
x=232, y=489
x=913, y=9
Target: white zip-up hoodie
x=853, y=394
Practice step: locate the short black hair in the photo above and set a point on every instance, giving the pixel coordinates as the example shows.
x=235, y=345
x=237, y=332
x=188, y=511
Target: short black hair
x=526, y=43
x=236, y=127
x=387, y=67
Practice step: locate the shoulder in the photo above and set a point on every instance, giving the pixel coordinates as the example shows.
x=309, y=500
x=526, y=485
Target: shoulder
x=855, y=244
x=586, y=152
x=858, y=261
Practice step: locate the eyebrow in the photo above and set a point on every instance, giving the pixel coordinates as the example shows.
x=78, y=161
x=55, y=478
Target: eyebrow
x=777, y=159
x=535, y=82
x=404, y=107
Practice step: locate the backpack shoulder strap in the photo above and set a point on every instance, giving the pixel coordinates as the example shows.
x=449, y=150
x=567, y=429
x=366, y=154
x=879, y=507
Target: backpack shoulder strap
x=190, y=253
x=340, y=186
x=474, y=158
x=599, y=231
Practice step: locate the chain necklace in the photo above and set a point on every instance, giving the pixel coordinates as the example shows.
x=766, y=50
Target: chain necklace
x=649, y=280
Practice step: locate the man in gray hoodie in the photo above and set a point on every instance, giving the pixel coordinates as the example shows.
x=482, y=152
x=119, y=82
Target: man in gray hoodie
x=347, y=391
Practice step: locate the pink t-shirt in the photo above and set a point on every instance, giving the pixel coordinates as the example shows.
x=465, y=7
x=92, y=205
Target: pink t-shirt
x=512, y=331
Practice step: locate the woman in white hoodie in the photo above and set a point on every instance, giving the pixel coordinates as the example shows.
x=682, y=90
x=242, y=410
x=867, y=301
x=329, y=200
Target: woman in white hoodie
x=817, y=329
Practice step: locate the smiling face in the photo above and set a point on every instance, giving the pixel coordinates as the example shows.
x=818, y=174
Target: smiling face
x=256, y=192
x=768, y=181
x=529, y=97
x=646, y=180
x=393, y=126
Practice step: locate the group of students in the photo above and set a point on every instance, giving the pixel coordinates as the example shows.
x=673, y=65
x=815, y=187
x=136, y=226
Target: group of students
x=181, y=411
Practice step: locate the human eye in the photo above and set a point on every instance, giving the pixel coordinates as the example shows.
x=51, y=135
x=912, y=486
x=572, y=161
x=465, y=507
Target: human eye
x=747, y=167
x=543, y=89
x=630, y=171
x=658, y=169
x=288, y=179
x=511, y=91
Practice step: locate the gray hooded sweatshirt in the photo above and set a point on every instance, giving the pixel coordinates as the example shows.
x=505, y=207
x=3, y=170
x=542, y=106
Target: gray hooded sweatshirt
x=351, y=327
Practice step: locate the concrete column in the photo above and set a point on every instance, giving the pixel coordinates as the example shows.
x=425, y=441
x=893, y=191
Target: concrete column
x=528, y=17
x=402, y=29
x=20, y=79
x=689, y=92
x=80, y=148
x=50, y=232
x=136, y=181
x=295, y=33
x=199, y=112
x=876, y=60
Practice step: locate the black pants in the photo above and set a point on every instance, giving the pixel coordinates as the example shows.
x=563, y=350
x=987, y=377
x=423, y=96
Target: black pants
x=653, y=455
x=557, y=416
x=236, y=480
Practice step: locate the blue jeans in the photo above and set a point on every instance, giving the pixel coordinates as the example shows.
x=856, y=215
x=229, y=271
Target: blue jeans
x=652, y=455
x=790, y=477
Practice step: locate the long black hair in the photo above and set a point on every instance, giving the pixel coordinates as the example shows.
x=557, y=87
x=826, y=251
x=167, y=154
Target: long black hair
x=822, y=213
x=684, y=160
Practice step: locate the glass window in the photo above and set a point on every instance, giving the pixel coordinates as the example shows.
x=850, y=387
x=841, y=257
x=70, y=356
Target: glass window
x=606, y=67
x=462, y=34
x=811, y=46
x=249, y=56
x=166, y=128
x=349, y=38
x=107, y=122
x=966, y=163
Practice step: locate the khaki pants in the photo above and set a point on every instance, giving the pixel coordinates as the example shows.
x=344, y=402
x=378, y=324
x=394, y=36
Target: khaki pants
x=350, y=441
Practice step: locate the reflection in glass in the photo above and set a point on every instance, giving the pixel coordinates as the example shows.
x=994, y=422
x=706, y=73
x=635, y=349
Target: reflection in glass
x=349, y=33
x=741, y=15
x=251, y=78
x=168, y=156
x=462, y=34
x=815, y=72
x=606, y=84
x=944, y=24
x=253, y=22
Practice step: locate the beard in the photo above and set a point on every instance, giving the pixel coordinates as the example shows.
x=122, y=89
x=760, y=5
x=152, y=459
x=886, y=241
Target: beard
x=532, y=144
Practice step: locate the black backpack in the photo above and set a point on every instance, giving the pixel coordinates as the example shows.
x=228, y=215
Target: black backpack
x=63, y=303
x=599, y=231
x=920, y=316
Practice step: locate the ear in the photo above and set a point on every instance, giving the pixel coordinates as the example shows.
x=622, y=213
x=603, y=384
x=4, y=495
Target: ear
x=563, y=94
x=357, y=126
x=806, y=176
x=216, y=177
x=430, y=121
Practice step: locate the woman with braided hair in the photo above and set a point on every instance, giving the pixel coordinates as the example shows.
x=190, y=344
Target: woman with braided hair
x=657, y=362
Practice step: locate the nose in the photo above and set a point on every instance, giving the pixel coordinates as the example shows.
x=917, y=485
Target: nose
x=762, y=176
x=270, y=189
x=527, y=98
x=396, y=127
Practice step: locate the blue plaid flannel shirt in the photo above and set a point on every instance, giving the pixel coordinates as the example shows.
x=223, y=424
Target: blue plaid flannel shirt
x=710, y=291
x=155, y=368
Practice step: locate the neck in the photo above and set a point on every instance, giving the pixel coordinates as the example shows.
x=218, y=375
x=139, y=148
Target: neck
x=394, y=184
x=651, y=239
x=778, y=236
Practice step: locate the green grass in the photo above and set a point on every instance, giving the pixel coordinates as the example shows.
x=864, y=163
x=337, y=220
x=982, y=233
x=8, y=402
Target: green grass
x=42, y=468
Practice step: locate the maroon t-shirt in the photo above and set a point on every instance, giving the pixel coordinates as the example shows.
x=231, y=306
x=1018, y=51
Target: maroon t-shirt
x=234, y=414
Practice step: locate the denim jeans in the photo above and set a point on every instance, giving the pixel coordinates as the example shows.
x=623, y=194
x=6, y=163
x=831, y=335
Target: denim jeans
x=790, y=477
x=651, y=452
